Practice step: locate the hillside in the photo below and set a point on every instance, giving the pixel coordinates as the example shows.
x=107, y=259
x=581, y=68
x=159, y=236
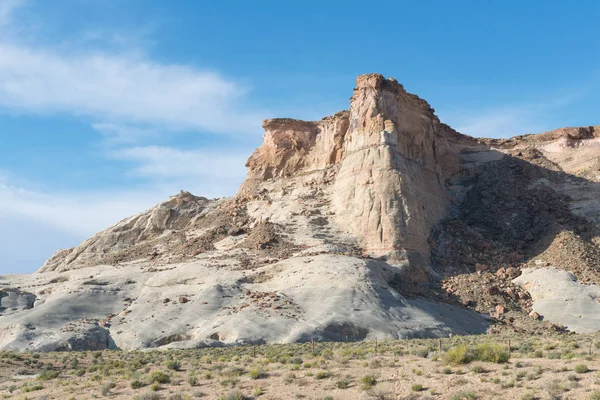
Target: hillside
x=377, y=222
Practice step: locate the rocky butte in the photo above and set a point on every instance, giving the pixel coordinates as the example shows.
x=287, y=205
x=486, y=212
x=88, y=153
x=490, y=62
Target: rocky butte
x=377, y=222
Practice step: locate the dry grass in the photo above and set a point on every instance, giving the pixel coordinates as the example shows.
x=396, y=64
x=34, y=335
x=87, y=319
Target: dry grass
x=473, y=367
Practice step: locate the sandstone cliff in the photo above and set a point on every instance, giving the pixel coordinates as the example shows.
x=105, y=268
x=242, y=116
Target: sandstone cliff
x=378, y=221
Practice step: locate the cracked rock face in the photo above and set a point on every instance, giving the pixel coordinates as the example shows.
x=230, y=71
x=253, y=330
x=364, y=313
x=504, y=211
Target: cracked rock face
x=377, y=222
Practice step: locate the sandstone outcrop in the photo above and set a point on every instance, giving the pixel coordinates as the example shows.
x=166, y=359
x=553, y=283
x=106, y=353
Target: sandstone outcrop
x=379, y=221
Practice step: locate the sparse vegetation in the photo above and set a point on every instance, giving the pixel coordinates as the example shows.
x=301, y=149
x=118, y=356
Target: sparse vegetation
x=230, y=372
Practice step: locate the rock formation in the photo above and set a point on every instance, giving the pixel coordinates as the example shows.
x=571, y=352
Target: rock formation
x=379, y=221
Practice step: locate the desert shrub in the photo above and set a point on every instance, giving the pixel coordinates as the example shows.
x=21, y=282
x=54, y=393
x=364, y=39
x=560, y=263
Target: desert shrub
x=457, y=355
x=257, y=391
x=105, y=390
x=322, y=375
x=595, y=395
x=342, y=384
x=48, y=374
x=478, y=369
x=32, y=387
x=466, y=395
x=581, y=368
x=368, y=381
x=417, y=387
x=257, y=373
x=491, y=352
x=192, y=380
x=174, y=365
x=289, y=377
x=159, y=377
x=383, y=392
x=235, y=395
x=136, y=384
x=148, y=396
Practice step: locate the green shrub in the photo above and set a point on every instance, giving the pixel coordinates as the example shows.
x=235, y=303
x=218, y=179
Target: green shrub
x=368, y=381
x=192, y=380
x=491, y=352
x=137, y=384
x=581, y=368
x=32, y=387
x=159, y=377
x=235, y=395
x=457, y=355
x=47, y=375
x=289, y=377
x=322, y=375
x=257, y=373
x=342, y=384
x=417, y=387
x=478, y=369
x=105, y=390
x=595, y=395
x=464, y=396
x=257, y=391
x=174, y=365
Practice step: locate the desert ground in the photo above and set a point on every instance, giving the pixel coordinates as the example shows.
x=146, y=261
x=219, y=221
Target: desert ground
x=464, y=367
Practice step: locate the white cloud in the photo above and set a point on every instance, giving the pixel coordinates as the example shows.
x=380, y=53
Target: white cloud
x=121, y=134
x=501, y=122
x=124, y=89
x=160, y=162
x=79, y=213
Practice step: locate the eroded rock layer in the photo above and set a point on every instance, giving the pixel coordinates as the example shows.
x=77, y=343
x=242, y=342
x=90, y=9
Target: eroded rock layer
x=379, y=221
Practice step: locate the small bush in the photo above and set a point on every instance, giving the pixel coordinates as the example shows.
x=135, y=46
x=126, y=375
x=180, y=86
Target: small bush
x=581, y=368
x=595, y=395
x=464, y=396
x=257, y=391
x=159, y=377
x=257, y=373
x=47, y=375
x=342, y=384
x=192, y=380
x=105, y=390
x=417, y=387
x=367, y=382
x=137, y=384
x=32, y=387
x=478, y=369
x=457, y=355
x=235, y=395
x=491, y=352
x=174, y=365
x=289, y=377
x=322, y=375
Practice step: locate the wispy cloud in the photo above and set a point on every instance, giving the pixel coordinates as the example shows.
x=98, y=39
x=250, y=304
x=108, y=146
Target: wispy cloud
x=161, y=162
x=502, y=122
x=118, y=88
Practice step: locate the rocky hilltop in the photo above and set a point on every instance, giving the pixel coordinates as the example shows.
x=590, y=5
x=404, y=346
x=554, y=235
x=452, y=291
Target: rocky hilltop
x=379, y=221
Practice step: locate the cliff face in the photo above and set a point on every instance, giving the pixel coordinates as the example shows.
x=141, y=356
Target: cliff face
x=388, y=185
x=389, y=188
x=334, y=233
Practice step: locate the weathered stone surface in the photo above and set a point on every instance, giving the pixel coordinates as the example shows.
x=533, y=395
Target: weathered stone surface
x=363, y=223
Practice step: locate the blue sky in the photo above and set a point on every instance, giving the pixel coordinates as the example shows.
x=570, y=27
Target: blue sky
x=108, y=107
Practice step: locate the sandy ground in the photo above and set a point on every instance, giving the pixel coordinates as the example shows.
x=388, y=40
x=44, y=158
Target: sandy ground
x=539, y=367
